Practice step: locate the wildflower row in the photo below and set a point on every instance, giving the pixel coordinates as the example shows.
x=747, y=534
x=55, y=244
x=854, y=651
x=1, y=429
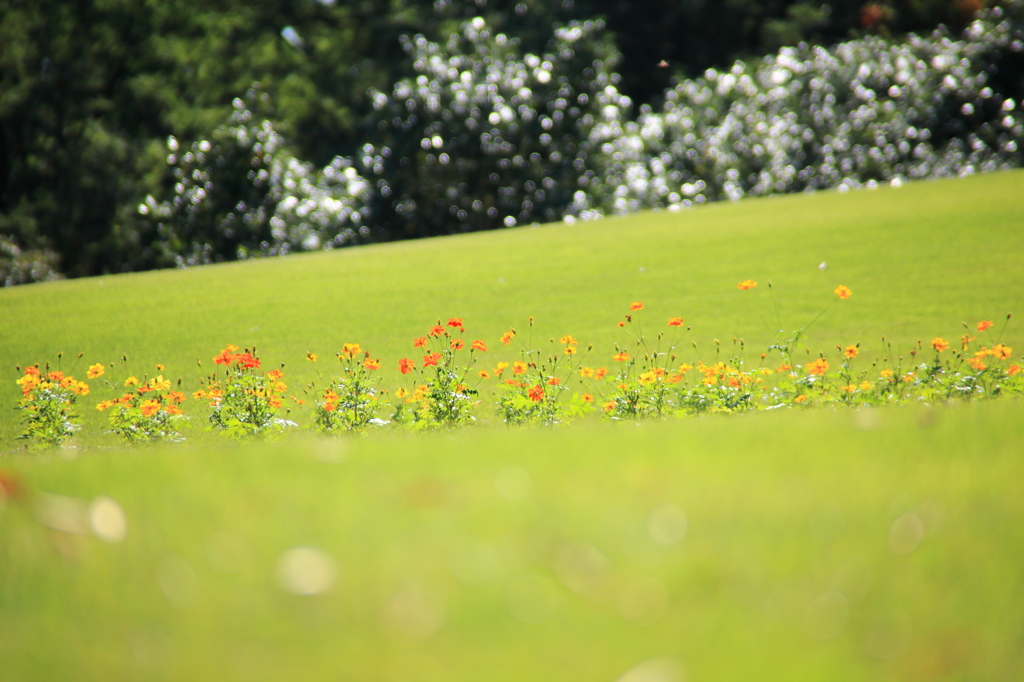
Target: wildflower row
x=450, y=377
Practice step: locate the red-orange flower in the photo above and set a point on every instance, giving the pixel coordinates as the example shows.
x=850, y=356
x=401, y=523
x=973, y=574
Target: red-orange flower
x=420, y=342
x=850, y=352
x=431, y=360
x=149, y=408
x=458, y=344
x=939, y=344
x=636, y=305
x=985, y=324
x=600, y=373
x=455, y=322
x=506, y=338
x=518, y=367
x=405, y=365
x=554, y=381
x=536, y=393
x=843, y=291
x=480, y=346
x=371, y=364
x=587, y=398
x=436, y=330
x=675, y=322
x=621, y=356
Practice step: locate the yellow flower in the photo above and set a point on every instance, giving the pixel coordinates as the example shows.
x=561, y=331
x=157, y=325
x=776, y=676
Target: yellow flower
x=850, y=352
x=843, y=291
x=159, y=383
x=850, y=389
x=746, y=285
x=401, y=393
x=865, y=386
x=885, y=373
x=311, y=357
x=159, y=367
x=569, y=350
x=500, y=367
x=95, y=371
x=131, y=381
x=484, y=374
x=648, y=378
x=567, y=340
x=587, y=372
x=1002, y=352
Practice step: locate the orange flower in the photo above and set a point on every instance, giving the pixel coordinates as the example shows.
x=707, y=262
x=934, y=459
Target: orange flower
x=518, y=367
x=149, y=408
x=506, y=338
x=436, y=330
x=330, y=407
x=784, y=367
x=1013, y=370
x=371, y=364
x=405, y=365
x=985, y=324
x=1002, y=352
x=484, y=374
x=159, y=367
x=600, y=373
x=800, y=399
x=850, y=389
x=636, y=305
x=553, y=381
x=609, y=406
x=850, y=352
x=173, y=410
x=455, y=322
x=587, y=398
x=865, y=385
x=431, y=360
x=513, y=382
x=56, y=375
x=621, y=324
x=176, y=397
x=843, y=291
x=569, y=350
x=567, y=340
x=587, y=372
x=33, y=370
x=536, y=393
x=500, y=367
x=746, y=285
x=908, y=378
x=480, y=346
x=675, y=322
x=330, y=396
x=977, y=364
x=275, y=375
x=939, y=344
x=420, y=342
x=818, y=367
x=457, y=344
x=95, y=371
x=621, y=356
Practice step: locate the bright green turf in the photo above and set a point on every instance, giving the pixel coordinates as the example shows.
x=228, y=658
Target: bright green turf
x=778, y=504
x=782, y=509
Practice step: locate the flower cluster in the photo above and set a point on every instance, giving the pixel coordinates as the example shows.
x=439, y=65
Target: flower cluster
x=148, y=411
x=245, y=399
x=643, y=377
x=47, y=402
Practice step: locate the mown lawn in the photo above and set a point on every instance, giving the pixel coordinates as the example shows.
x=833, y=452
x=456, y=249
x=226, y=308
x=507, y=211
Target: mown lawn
x=794, y=545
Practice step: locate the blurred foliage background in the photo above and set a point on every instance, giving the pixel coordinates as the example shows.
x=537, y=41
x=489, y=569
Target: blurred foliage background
x=406, y=118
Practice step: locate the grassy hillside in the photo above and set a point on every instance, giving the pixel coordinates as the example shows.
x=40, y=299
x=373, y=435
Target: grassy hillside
x=796, y=545
x=920, y=259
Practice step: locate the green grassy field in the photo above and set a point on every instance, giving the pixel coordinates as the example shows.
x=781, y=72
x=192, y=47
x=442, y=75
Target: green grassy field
x=881, y=545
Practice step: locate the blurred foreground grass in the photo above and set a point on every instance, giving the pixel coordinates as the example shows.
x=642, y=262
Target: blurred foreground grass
x=882, y=545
